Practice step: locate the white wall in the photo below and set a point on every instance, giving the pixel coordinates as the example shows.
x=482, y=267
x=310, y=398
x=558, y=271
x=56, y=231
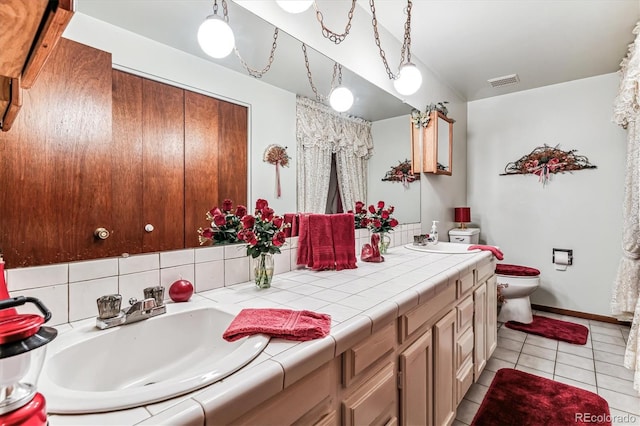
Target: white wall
x=581, y=211
x=272, y=111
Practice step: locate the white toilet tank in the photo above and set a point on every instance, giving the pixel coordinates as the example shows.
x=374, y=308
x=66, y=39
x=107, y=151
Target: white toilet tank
x=466, y=236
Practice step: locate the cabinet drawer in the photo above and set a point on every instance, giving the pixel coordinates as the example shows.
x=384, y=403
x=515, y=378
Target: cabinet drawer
x=420, y=315
x=465, y=314
x=464, y=379
x=360, y=357
x=374, y=402
x=485, y=271
x=464, y=347
x=465, y=284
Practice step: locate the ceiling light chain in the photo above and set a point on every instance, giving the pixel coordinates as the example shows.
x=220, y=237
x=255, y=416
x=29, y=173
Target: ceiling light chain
x=327, y=33
x=406, y=45
x=259, y=73
x=337, y=70
x=225, y=11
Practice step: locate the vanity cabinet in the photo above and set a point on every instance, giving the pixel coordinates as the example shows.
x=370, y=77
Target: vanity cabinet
x=432, y=146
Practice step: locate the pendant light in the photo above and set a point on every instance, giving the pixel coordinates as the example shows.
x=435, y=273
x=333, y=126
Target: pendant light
x=409, y=79
x=341, y=99
x=215, y=35
x=294, y=6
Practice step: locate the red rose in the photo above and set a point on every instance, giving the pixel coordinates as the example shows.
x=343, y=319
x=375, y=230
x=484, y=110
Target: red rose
x=214, y=211
x=267, y=214
x=241, y=211
x=380, y=204
x=385, y=214
x=278, y=239
x=219, y=220
x=277, y=221
x=227, y=205
x=372, y=209
x=391, y=209
x=350, y=211
x=359, y=206
x=364, y=222
x=393, y=223
x=377, y=223
x=207, y=233
x=250, y=237
x=248, y=221
x=261, y=204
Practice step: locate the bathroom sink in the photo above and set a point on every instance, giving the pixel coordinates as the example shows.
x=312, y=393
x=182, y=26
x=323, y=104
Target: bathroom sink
x=89, y=370
x=444, y=248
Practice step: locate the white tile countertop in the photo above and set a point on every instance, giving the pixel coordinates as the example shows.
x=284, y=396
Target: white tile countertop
x=360, y=301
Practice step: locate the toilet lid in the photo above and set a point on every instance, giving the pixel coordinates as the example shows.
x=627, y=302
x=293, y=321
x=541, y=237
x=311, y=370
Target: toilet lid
x=516, y=270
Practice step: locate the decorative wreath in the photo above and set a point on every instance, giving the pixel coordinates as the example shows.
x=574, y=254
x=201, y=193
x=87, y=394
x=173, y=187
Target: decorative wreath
x=277, y=155
x=401, y=173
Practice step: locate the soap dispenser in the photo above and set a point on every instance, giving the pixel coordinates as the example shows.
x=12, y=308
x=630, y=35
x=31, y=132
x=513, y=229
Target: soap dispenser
x=433, y=234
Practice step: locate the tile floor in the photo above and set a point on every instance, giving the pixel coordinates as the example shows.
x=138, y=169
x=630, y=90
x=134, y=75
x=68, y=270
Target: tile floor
x=596, y=366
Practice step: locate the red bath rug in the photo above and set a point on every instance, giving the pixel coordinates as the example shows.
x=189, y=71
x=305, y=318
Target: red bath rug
x=553, y=329
x=519, y=398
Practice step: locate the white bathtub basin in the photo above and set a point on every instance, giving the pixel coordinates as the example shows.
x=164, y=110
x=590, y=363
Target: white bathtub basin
x=89, y=371
x=444, y=248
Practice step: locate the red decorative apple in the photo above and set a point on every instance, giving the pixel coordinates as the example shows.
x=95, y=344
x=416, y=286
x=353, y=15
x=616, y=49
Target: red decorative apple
x=181, y=291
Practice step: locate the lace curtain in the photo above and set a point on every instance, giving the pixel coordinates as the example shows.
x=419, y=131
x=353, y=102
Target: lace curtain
x=625, y=303
x=321, y=132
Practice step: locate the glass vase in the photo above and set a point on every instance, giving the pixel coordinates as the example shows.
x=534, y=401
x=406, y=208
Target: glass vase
x=263, y=270
x=385, y=240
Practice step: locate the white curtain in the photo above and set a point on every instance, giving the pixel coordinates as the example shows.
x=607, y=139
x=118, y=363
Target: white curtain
x=321, y=132
x=625, y=303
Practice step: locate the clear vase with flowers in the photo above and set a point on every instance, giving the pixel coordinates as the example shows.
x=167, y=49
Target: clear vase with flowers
x=264, y=235
x=381, y=222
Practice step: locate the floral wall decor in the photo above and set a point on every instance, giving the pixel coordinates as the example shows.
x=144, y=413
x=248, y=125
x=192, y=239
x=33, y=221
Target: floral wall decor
x=277, y=155
x=421, y=118
x=545, y=160
x=401, y=173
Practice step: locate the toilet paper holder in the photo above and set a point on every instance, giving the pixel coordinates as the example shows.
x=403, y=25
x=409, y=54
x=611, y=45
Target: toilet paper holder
x=569, y=255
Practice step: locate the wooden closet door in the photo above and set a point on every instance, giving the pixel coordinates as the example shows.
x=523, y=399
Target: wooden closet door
x=162, y=166
x=56, y=168
x=128, y=226
x=232, y=160
x=201, y=144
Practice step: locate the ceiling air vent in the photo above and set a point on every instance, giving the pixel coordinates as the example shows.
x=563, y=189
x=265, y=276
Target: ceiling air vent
x=505, y=80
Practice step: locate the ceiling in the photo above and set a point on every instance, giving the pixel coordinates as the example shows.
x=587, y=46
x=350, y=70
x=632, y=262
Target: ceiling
x=462, y=42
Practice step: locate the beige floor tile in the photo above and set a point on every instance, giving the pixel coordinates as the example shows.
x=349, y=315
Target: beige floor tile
x=535, y=372
x=466, y=411
x=539, y=351
x=620, y=401
x=580, y=350
x=608, y=357
x=536, y=362
x=575, y=383
x=614, y=340
x=506, y=354
x=510, y=344
x=512, y=334
x=495, y=364
x=575, y=373
x=476, y=393
x=614, y=370
x=543, y=342
x=622, y=418
x=608, y=347
x=576, y=361
x=486, y=377
x=604, y=328
x=615, y=384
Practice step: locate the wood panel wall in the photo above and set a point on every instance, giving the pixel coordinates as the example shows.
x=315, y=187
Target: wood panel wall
x=55, y=172
x=94, y=147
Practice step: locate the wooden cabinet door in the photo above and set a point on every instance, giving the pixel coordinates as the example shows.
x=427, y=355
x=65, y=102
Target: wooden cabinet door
x=492, y=316
x=416, y=382
x=232, y=156
x=56, y=172
x=480, y=330
x=444, y=341
x=162, y=166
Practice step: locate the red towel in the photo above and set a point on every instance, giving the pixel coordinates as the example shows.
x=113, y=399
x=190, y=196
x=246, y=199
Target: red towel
x=292, y=219
x=344, y=240
x=320, y=241
x=495, y=250
x=303, y=240
x=283, y=323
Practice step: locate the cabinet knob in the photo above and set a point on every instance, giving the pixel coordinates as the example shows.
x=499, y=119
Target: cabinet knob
x=148, y=227
x=101, y=233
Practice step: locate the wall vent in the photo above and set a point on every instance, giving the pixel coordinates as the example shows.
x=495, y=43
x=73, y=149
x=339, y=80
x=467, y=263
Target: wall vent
x=505, y=80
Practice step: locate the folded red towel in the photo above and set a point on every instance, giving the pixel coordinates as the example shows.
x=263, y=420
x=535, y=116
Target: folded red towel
x=283, y=323
x=321, y=252
x=303, y=240
x=292, y=220
x=495, y=250
x=344, y=240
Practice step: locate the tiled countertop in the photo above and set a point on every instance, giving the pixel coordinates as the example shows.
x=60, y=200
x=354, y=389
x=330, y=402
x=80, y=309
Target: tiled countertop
x=359, y=301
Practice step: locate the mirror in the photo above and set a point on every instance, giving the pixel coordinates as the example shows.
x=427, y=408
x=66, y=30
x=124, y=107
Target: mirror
x=432, y=146
x=444, y=149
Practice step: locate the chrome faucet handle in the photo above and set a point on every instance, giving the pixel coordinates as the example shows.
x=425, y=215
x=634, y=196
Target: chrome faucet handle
x=109, y=306
x=156, y=293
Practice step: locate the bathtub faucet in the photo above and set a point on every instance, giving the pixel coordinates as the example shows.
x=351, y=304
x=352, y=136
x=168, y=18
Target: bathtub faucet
x=110, y=314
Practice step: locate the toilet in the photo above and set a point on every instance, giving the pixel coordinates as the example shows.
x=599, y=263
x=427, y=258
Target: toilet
x=519, y=282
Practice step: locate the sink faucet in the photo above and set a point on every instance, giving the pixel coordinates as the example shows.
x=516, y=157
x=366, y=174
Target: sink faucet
x=110, y=314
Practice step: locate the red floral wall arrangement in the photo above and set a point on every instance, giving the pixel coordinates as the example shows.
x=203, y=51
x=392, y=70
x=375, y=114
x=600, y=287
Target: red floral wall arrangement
x=277, y=155
x=401, y=173
x=545, y=160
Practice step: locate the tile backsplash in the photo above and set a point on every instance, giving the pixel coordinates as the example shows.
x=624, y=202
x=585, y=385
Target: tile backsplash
x=70, y=290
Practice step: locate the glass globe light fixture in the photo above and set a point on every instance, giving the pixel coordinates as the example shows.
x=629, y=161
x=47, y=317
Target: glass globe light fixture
x=216, y=37
x=294, y=6
x=341, y=99
x=409, y=79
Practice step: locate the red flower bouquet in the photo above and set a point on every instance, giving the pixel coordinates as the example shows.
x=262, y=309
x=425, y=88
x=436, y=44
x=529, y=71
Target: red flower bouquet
x=225, y=224
x=380, y=219
x=262, y=231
